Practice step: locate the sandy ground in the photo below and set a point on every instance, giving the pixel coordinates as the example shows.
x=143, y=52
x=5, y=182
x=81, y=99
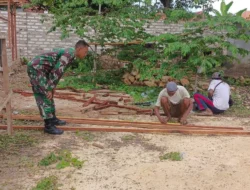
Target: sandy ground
x=209, y=162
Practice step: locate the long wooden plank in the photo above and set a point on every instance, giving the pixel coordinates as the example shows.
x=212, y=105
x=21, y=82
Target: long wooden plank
x=29, y=93
x=151, y=125
x=162, y=131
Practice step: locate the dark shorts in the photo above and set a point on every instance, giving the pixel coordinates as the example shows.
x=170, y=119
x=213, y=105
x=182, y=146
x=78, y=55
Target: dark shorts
x=175, y=109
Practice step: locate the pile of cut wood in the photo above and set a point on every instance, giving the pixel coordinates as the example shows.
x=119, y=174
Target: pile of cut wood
x=107, y=102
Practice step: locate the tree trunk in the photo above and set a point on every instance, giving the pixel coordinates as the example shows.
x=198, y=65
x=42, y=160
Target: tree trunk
x=166, y=3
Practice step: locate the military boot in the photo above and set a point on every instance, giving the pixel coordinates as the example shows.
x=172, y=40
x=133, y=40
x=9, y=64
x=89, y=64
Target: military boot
x=50, y=127
x=57, y=121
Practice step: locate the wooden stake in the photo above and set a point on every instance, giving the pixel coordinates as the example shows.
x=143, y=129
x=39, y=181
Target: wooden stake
x=6, y=87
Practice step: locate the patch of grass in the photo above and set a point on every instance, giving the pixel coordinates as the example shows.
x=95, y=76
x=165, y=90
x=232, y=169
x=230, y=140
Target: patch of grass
x=66, y=160
x=63, y=159
x=18, y=140
x=76, y=163
x=47, y=183
x=173, y=156
x=238, y=109
x=85, y=135
x=128, y=137
x=62, y=164
x=48, y=160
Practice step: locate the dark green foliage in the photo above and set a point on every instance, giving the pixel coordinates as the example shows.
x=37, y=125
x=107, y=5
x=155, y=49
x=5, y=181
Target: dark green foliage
x=202, y=43
x=120, y=22
x=177, y=15
x=48, y=160
x=84, y=65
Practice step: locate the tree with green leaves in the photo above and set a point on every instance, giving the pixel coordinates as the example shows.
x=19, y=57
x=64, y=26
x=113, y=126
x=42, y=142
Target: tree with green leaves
x=202, y=42
x=124, y=21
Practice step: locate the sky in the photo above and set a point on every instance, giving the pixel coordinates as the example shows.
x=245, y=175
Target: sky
x=237, y=5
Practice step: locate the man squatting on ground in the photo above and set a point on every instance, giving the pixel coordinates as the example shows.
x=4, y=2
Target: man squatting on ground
x=175, y=101
x=218, y=97
x=45, y=71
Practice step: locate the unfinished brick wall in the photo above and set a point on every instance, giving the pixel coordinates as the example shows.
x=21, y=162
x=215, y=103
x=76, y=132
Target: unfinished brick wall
x=33, y=39
x=3, y=35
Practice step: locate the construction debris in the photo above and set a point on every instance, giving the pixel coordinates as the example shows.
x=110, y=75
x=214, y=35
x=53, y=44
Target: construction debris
x=102, y=99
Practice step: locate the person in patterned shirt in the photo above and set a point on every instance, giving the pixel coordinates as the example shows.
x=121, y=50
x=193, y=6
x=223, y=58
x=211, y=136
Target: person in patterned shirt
x=45, y=71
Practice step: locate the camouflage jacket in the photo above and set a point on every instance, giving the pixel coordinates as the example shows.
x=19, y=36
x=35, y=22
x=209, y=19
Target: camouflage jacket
x=51, y=66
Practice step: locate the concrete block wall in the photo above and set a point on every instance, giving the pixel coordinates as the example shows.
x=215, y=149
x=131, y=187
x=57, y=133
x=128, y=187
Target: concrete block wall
x=3, y=35
x=33, y=39
x=159, y=27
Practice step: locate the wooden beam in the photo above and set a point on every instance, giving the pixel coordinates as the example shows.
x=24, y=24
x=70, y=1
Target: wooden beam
x=151, y=125
x=89, y=101
x=6, y=86
x=3, y=3
x=161, y=131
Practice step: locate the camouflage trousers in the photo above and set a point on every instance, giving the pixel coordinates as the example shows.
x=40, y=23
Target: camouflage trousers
x=46, y=106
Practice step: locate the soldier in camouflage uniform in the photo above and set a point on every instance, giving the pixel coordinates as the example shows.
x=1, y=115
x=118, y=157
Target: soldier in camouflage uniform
x=45, y=72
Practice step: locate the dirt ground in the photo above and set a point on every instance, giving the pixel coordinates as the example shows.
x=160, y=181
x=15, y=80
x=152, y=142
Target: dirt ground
x=128, y=161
